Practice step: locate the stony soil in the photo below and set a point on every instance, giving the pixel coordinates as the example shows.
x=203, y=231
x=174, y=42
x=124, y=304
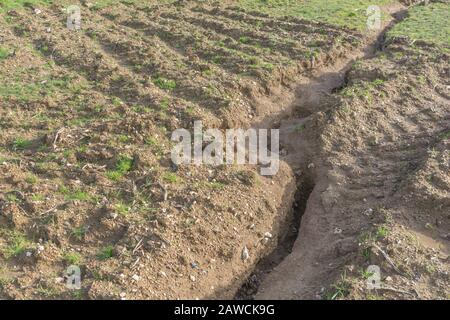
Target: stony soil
x=86, y=176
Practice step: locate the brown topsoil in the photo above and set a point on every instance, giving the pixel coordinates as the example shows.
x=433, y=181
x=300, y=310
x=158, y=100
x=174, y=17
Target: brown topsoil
x=364, y=177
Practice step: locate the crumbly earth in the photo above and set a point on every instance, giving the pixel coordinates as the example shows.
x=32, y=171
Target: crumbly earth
x=381, y=193
x=86, y=177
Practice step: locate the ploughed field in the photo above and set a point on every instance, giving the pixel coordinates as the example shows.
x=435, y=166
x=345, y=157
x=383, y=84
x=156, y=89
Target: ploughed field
x=86, y=176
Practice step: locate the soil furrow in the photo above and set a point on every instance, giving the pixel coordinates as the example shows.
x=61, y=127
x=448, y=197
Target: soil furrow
x=378, y=178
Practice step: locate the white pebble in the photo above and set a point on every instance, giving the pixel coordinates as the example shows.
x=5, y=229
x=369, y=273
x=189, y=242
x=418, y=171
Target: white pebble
x=245, y=254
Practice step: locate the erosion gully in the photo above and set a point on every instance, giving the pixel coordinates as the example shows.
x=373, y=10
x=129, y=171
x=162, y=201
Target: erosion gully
x=311, y=95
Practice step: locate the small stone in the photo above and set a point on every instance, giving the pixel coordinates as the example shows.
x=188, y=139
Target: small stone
x=113, y=215
x=192, y=278
x=136, y=277
x=268, y=235
x=337, y=230
x=245, y=254
x=59, y=280
x=311, y=166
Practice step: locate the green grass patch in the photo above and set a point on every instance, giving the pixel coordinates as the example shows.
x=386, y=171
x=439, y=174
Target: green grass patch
x=106, y=253
x=170, y=177
x=79, y=233
x=428, y=23
x=72, y=258
x=4, y=53
x=363, y=90
x=97, y=5
x=37, y=197
x=340, y=289
x=21, y=144
x=11, y=197
x=122, y=208
x=244, y=39
x=164, y=83
x=78, y=122
x=123, y=166
x=349, y=13
x=47, y=292
x=74, y=195
x=116, y=101
x=300, y=128
x=124, y=139
x=101, y=4
x=445, y=135
x=22, y=86
x=6, y=5
x=5, y=277
x=382, y=232
x=17, y=243
x=216, y=185
x=164, y=104
x=31, y=178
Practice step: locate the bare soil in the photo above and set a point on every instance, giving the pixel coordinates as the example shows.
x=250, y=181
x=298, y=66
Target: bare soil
x=380, y=177
x=364, y=172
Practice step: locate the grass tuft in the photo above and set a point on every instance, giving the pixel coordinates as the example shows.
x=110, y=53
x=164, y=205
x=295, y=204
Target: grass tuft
x=123, y=166
x=106, y=253
x=72, y=258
